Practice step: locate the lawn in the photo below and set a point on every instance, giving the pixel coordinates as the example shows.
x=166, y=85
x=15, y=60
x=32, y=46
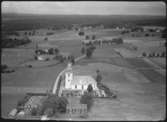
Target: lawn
x=159, y=61
x=153, y=75
x=137, y=97
x=40, y=76
x=13, y=57
x=138, y=63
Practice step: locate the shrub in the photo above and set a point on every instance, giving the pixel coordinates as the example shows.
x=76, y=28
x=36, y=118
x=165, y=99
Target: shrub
x=150, y=55
x=51, y=51
x=117, y=40
x=8, y=43
x=49, y=33
x=143, y=54
x=163, y=35
x=3, y=67
x=163, y=54
x=87, y=37
x=93, y=37
x=45, y=38
x=81, y=33
x=29, y=66
x=146, y=34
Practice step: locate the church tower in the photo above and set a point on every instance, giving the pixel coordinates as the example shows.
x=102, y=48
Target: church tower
x=68, y=76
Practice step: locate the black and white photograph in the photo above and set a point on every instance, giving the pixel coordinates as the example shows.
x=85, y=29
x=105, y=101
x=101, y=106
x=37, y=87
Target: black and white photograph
x=83, y=60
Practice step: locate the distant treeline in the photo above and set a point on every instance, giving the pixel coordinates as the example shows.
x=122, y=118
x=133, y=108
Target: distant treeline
x=28, y=22
x=10, y=43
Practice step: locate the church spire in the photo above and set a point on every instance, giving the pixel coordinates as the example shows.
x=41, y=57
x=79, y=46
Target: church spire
x=69, y=66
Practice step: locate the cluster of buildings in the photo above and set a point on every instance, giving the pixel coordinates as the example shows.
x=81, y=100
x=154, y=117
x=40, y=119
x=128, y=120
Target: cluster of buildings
x=49, y=52
x=74, y=86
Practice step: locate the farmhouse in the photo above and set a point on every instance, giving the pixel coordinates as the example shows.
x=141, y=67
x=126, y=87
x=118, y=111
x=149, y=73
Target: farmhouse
x=45, y=57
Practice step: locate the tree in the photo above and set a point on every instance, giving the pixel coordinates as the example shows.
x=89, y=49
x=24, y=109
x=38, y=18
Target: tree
x=163, y=54
x=89, y=53
x=146, y=34
x=46, y=39
x=81, y=33
x=72, y=60
x=98, y=77
x=60, y=58
x=83, y=50
x=143, y=54
x=57, y=104
x=164, y=33
x=51, y=51
x=3, y=67
x=90, y=88
x=56, y=51
x=86, y=37
x=87, y=98
x=29, y=33
x=90, y=49
x=93, y=37
x=33, y=32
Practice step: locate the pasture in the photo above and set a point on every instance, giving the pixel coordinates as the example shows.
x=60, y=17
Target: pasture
x=118, y=72
x=134, y=100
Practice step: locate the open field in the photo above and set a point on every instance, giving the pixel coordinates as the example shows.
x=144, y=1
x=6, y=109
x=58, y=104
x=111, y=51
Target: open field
x=9, y=102
x=153, y=75
x=141, y=93
x=13, y=57
x=159, y=61
x=139, y=87
x=138, y=97
x=138, y=63
x=42, y=76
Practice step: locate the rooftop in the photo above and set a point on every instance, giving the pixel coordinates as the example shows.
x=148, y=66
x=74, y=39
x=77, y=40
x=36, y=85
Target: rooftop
x=82, y=80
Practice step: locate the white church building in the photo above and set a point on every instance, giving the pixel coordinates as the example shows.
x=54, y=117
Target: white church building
x=78, y=82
